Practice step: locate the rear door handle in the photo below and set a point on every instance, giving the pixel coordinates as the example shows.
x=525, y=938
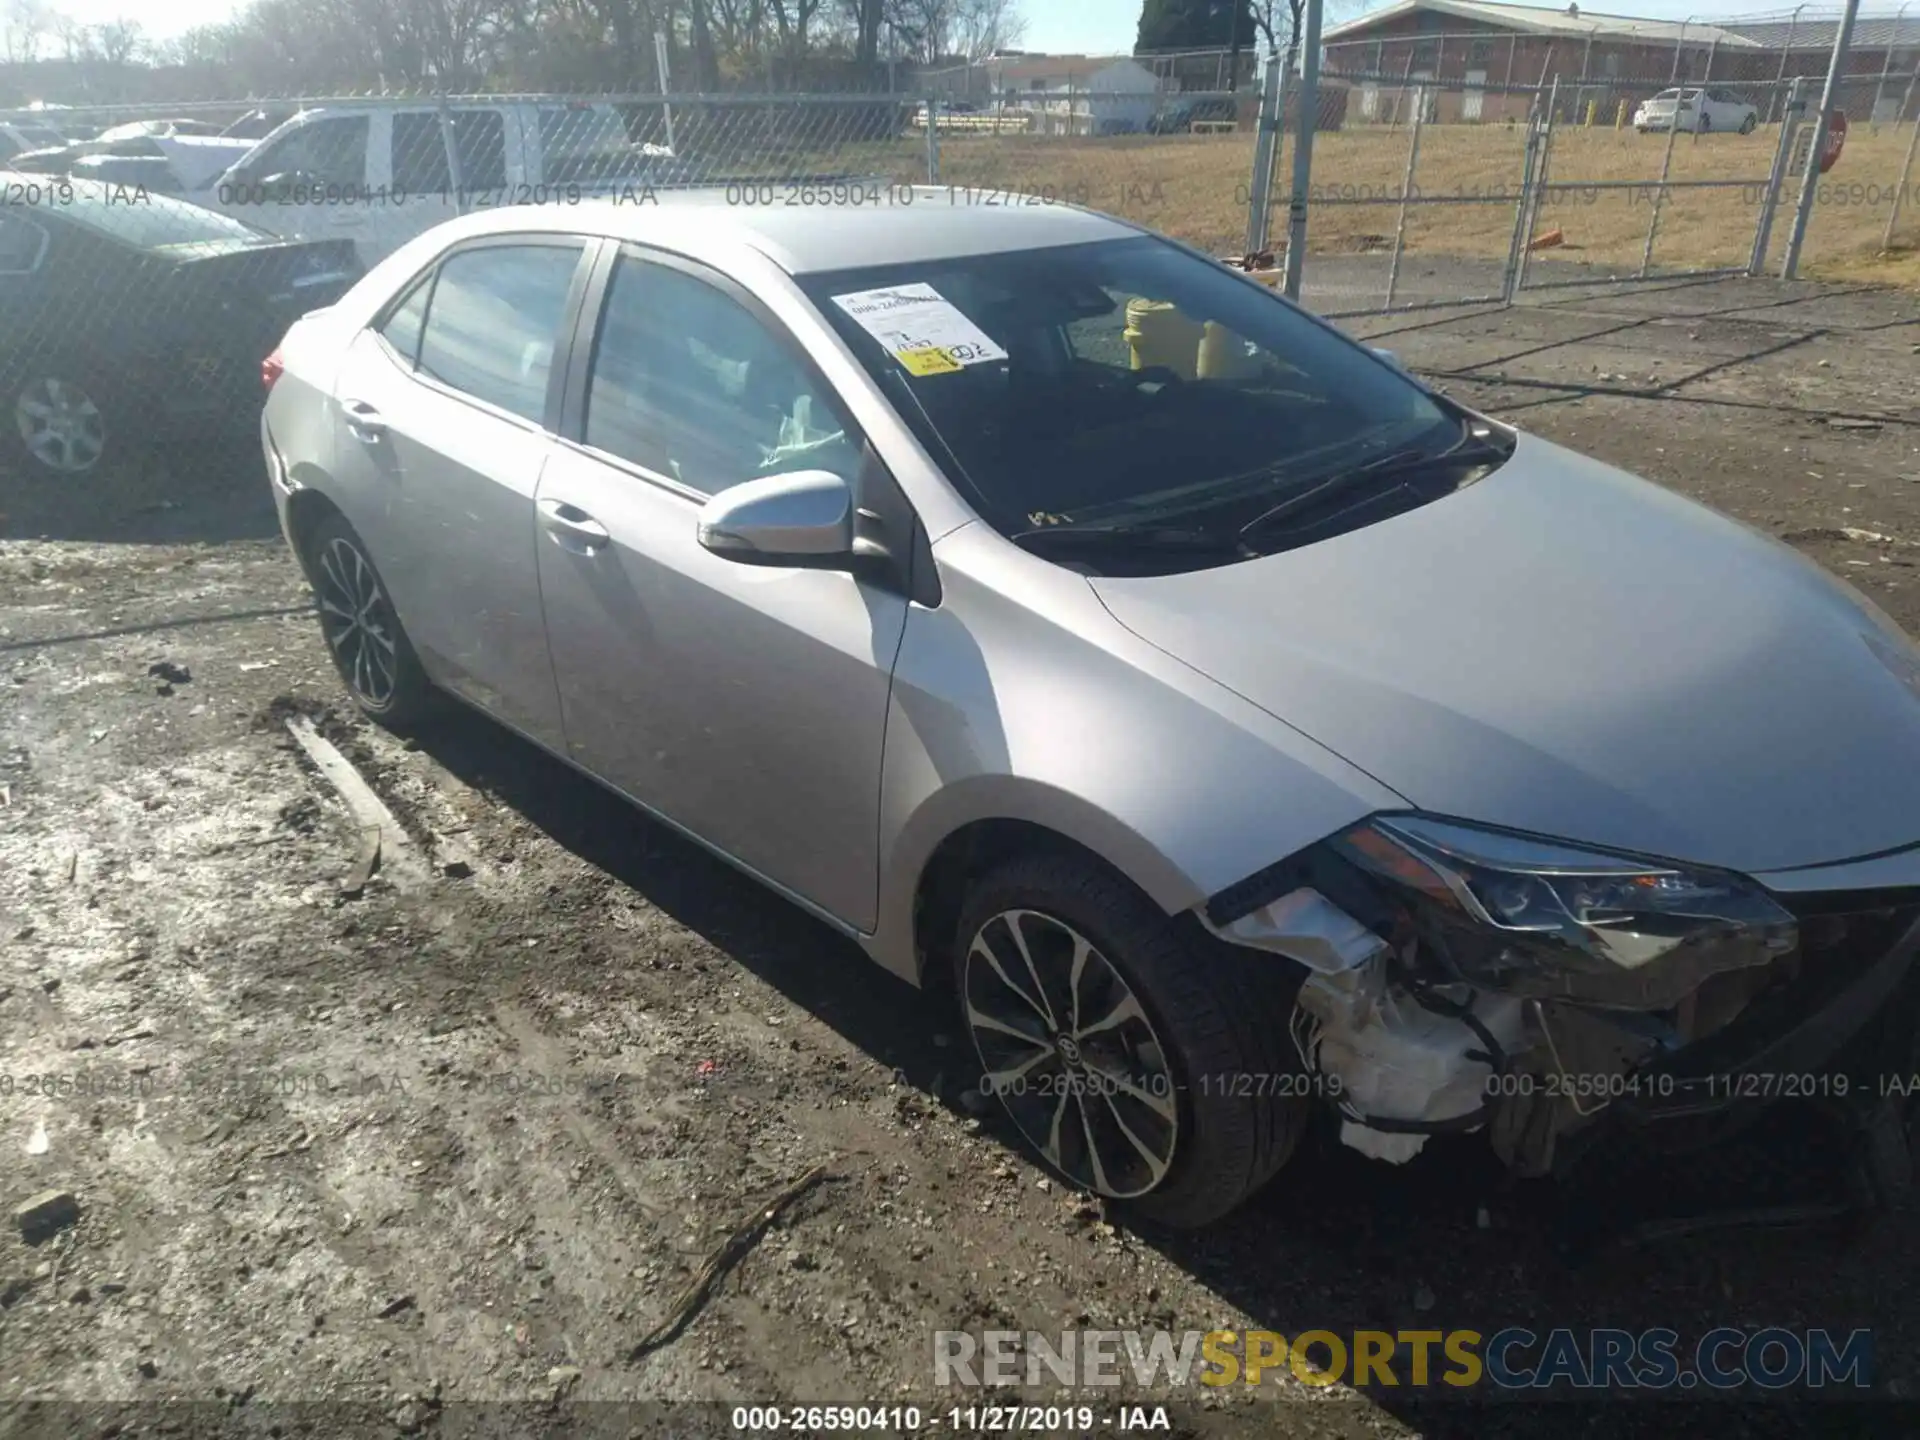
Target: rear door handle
x=363, y=420
x=571, y=527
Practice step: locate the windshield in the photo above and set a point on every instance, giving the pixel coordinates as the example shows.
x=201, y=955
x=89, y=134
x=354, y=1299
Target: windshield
x=1122, y=380
x=149, y=221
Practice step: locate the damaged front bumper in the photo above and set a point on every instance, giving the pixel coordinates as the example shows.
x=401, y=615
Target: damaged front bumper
x=1590, y=1030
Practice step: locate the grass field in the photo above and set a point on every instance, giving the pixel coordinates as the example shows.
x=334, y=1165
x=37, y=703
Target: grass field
x=1196, y=187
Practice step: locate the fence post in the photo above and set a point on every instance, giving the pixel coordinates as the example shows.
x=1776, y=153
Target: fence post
x=1406, y=190
x=1508, y=287
x=1886, y=69
x=660, y=59
x=1782, y=158
x=1266, y=143
x=1810, y=177
x=1900, y=190
x=1785, y=50
x=1309, y=122
x=1541, y=175
x=1660, y=191
x=933, y=139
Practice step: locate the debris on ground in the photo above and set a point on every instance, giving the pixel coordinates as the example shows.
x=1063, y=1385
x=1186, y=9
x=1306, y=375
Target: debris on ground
x=46, y=1214
x=388, y=850
x=731, y=1251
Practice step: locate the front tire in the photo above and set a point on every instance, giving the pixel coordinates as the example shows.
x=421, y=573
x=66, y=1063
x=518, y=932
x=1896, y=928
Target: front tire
x=1140, y=1062
x=1748, y=125
x=362, y=629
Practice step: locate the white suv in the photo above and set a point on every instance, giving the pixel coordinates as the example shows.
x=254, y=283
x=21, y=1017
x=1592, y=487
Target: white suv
x=380, y=173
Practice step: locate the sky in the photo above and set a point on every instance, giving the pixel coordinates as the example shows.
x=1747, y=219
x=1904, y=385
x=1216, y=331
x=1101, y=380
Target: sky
x=1058, y=26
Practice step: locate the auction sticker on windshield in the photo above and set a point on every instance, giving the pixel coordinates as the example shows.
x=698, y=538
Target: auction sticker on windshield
x=920, y=328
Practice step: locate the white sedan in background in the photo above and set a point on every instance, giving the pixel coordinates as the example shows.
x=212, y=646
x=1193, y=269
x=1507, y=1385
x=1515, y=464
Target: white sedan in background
x=1696, y=110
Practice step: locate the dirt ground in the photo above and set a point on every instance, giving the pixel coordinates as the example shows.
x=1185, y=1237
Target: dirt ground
x=462, y=1139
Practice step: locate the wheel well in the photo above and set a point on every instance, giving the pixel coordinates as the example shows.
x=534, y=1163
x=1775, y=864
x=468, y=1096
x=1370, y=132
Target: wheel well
x=963, y=856
x=306, y=509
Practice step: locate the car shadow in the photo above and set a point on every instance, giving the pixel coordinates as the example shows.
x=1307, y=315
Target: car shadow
x=1338, y=1242
x=207, y=492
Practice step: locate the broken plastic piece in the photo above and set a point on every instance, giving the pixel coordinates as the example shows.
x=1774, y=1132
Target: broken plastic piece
x=1304, y=925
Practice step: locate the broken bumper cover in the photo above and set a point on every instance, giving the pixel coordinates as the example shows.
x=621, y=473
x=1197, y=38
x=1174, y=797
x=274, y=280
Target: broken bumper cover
x=1559, y=999
x=1708, y=1092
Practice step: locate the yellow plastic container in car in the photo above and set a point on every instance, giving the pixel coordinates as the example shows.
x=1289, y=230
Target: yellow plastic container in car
x=1159, y=334
x=1223, y=354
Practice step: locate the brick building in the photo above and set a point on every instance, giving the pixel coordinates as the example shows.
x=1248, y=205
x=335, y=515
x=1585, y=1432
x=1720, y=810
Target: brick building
x=1482, y=59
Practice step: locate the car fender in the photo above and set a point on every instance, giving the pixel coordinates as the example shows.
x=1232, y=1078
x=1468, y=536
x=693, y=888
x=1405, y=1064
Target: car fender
x=1043, y=709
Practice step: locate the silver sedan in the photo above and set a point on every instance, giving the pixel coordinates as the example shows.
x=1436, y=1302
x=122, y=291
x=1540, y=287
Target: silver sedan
x=1239, y=729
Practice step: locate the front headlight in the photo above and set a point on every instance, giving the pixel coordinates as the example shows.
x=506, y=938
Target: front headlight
x=1554, y=920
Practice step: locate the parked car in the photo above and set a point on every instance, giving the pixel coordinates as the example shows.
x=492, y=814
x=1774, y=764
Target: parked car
x=1696, y=110
x=1179, y=118
x=151, y=173
x=379, y=174
x=17, y=137
x=258, y=124
x=174, y=165
x=1228, y=731
x=136, y=129
x=125, y=320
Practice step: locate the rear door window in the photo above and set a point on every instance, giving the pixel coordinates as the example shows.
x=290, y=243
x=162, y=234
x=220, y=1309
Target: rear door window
x=419, y=154
x=493, y=324
x=480, y=143
x=402, y=328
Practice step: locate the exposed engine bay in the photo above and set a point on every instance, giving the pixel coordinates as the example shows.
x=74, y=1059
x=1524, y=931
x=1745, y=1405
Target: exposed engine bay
x=1459, y=980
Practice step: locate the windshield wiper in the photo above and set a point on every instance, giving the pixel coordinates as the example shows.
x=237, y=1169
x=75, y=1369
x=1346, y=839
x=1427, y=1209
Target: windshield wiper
x=1071, y=538
x=1475, y=448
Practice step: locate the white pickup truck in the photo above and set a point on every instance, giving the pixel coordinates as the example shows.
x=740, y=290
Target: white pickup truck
x=381, y=172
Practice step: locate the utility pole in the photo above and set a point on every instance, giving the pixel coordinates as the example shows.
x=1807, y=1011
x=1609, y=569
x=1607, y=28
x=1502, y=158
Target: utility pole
x=1810, y=177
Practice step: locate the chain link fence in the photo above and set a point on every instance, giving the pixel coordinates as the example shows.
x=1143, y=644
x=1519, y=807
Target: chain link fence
x=143, y=288
x=1465, y=167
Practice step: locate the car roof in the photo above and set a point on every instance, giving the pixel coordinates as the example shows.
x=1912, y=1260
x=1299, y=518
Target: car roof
x=904, y=225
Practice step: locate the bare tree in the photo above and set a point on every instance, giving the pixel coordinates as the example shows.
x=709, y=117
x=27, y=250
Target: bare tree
x=984, y=26
x=23, y=24
x=119, y=42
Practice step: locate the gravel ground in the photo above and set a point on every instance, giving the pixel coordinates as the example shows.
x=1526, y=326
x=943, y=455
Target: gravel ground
x=462, y=1133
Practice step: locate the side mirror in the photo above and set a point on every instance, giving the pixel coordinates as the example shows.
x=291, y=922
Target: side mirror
x=1389, y=356
x=803, y=519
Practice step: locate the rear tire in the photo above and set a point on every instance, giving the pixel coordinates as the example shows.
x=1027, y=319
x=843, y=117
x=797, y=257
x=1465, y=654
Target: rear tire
x=1181, y=1107
x=64, y=420
x=1749, y=125
x=364, y=637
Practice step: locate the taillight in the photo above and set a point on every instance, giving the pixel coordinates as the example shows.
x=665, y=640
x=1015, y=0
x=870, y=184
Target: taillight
x=271, y=369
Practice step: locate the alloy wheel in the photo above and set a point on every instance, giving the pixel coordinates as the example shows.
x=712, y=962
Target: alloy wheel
x=1068, y=1049
x=60, y=425
x=357, y=621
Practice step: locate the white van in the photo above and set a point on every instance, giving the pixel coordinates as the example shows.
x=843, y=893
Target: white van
x=380, y=172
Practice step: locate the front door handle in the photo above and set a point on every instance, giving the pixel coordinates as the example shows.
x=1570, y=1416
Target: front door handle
x=363, y=420
x=571, y=527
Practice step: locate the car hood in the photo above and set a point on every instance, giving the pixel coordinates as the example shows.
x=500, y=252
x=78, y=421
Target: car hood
x=1566, y=649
